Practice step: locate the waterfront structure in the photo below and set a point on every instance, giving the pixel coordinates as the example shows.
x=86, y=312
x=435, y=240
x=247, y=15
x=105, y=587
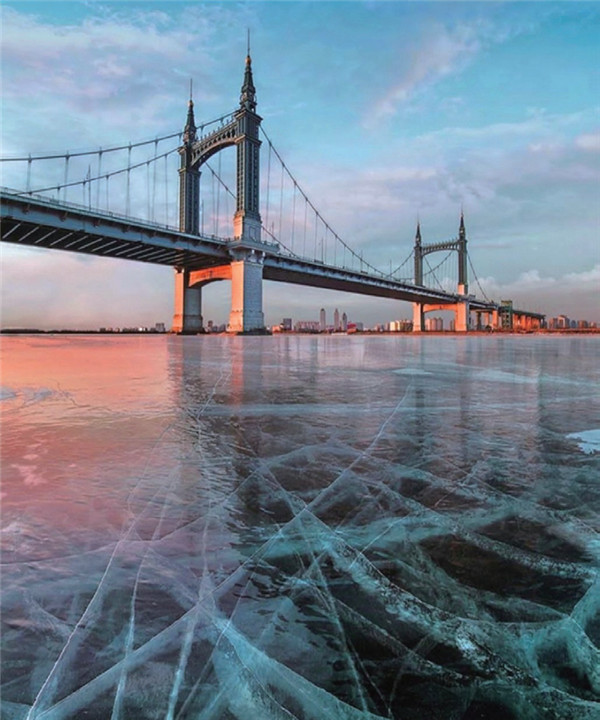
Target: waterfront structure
x=435, y=324
x=246, y=259
x=247, y=255
x=307, y=326
x=336, y=320
x=323, y=320
x=461, y=306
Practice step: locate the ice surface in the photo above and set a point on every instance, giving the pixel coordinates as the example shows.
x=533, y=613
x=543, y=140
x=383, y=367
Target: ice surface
x=299, y=527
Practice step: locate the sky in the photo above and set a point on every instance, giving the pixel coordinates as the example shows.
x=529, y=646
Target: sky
x=385, y=111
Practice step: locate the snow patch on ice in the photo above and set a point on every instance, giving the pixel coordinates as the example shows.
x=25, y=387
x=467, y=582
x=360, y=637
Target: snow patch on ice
x=29, y=474
x=412, y=371
x=589, y=440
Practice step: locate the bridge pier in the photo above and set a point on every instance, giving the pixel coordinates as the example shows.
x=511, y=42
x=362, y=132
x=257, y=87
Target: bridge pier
x=187, y=318
x=462, y=316
x=418, y=317
x=461, y=311
x=246, y=314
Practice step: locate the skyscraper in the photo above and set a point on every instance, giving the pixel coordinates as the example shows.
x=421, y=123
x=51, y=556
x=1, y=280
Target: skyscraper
x=336, y=320
x=323, y=320
x=344, y=322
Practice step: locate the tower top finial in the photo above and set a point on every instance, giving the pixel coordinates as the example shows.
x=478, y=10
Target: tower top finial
x=462, y=233
x=189, y=131
x=418, y=235
x=191, y=88
x=248, y=95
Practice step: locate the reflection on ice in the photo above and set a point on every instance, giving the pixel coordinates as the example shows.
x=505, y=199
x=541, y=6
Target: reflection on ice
x=296, y=527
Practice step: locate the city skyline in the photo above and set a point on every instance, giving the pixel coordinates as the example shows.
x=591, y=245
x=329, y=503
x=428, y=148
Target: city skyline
x=474, y=111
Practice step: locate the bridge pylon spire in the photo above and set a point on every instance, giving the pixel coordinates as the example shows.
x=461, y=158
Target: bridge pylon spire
x=248, y=93
x=463, y=283
x=418, y=256
x=189, y=131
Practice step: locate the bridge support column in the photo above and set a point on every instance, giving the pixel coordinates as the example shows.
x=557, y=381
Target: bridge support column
x=461, y=315
x=246, y=314
x=418, y=317
x=187, y=318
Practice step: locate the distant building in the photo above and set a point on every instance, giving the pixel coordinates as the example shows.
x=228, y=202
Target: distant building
x=323, y=320
x=344, y=322
x=286, y=325
x=400, y=326
x=336, y=320
x=160, y=327
x=435, y=324
x=307, y=326
x=355, y=327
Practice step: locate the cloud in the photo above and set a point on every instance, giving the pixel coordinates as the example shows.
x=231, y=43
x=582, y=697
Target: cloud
x=440, y=52
x=131, y=68
x=589, y=141
x=574, y=294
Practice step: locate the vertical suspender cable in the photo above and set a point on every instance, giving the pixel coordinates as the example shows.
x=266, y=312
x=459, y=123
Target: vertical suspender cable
x=148, y=194
x=128, y=192
x=166, y=189
x=99, y=173
x=281, y=203
x=305, y=223
x=212, y=181
x=29, y=173
x=293, y=216
x=268, y=185
x=218, y=218
x=335, y=251
x=66, y=180
x=154, y=170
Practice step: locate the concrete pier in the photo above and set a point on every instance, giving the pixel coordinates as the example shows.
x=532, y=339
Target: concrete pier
x=187, y=318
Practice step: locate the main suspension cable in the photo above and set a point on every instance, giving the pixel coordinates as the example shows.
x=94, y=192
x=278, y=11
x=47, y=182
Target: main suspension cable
x=317, y=213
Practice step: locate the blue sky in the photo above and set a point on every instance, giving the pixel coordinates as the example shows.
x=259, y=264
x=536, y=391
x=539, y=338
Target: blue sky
x=384, y=111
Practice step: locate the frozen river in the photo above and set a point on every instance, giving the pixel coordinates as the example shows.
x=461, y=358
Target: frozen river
x=320, y=528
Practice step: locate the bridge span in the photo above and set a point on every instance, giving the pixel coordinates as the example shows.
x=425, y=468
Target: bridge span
x=247, y=258
x=48, y=223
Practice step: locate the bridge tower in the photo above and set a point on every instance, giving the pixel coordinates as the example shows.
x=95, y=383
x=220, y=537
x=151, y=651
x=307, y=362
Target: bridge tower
x=187, y=318
x=247, y=259
x=461, y=246
x=246, y=250
x=461, y=307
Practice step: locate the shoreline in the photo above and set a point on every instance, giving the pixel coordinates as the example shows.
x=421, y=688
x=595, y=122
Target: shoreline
x=363, y=333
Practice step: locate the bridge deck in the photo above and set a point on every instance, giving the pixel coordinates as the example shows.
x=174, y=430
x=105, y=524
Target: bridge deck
x=41, y=222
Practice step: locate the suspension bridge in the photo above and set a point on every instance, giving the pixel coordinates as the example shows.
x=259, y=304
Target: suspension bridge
x=118, y=202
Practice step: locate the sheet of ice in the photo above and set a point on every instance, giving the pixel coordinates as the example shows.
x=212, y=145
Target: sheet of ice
x=300, y=527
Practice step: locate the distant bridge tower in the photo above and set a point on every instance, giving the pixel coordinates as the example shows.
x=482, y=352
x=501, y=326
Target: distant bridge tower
x=246, y=266
x=461, y=308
